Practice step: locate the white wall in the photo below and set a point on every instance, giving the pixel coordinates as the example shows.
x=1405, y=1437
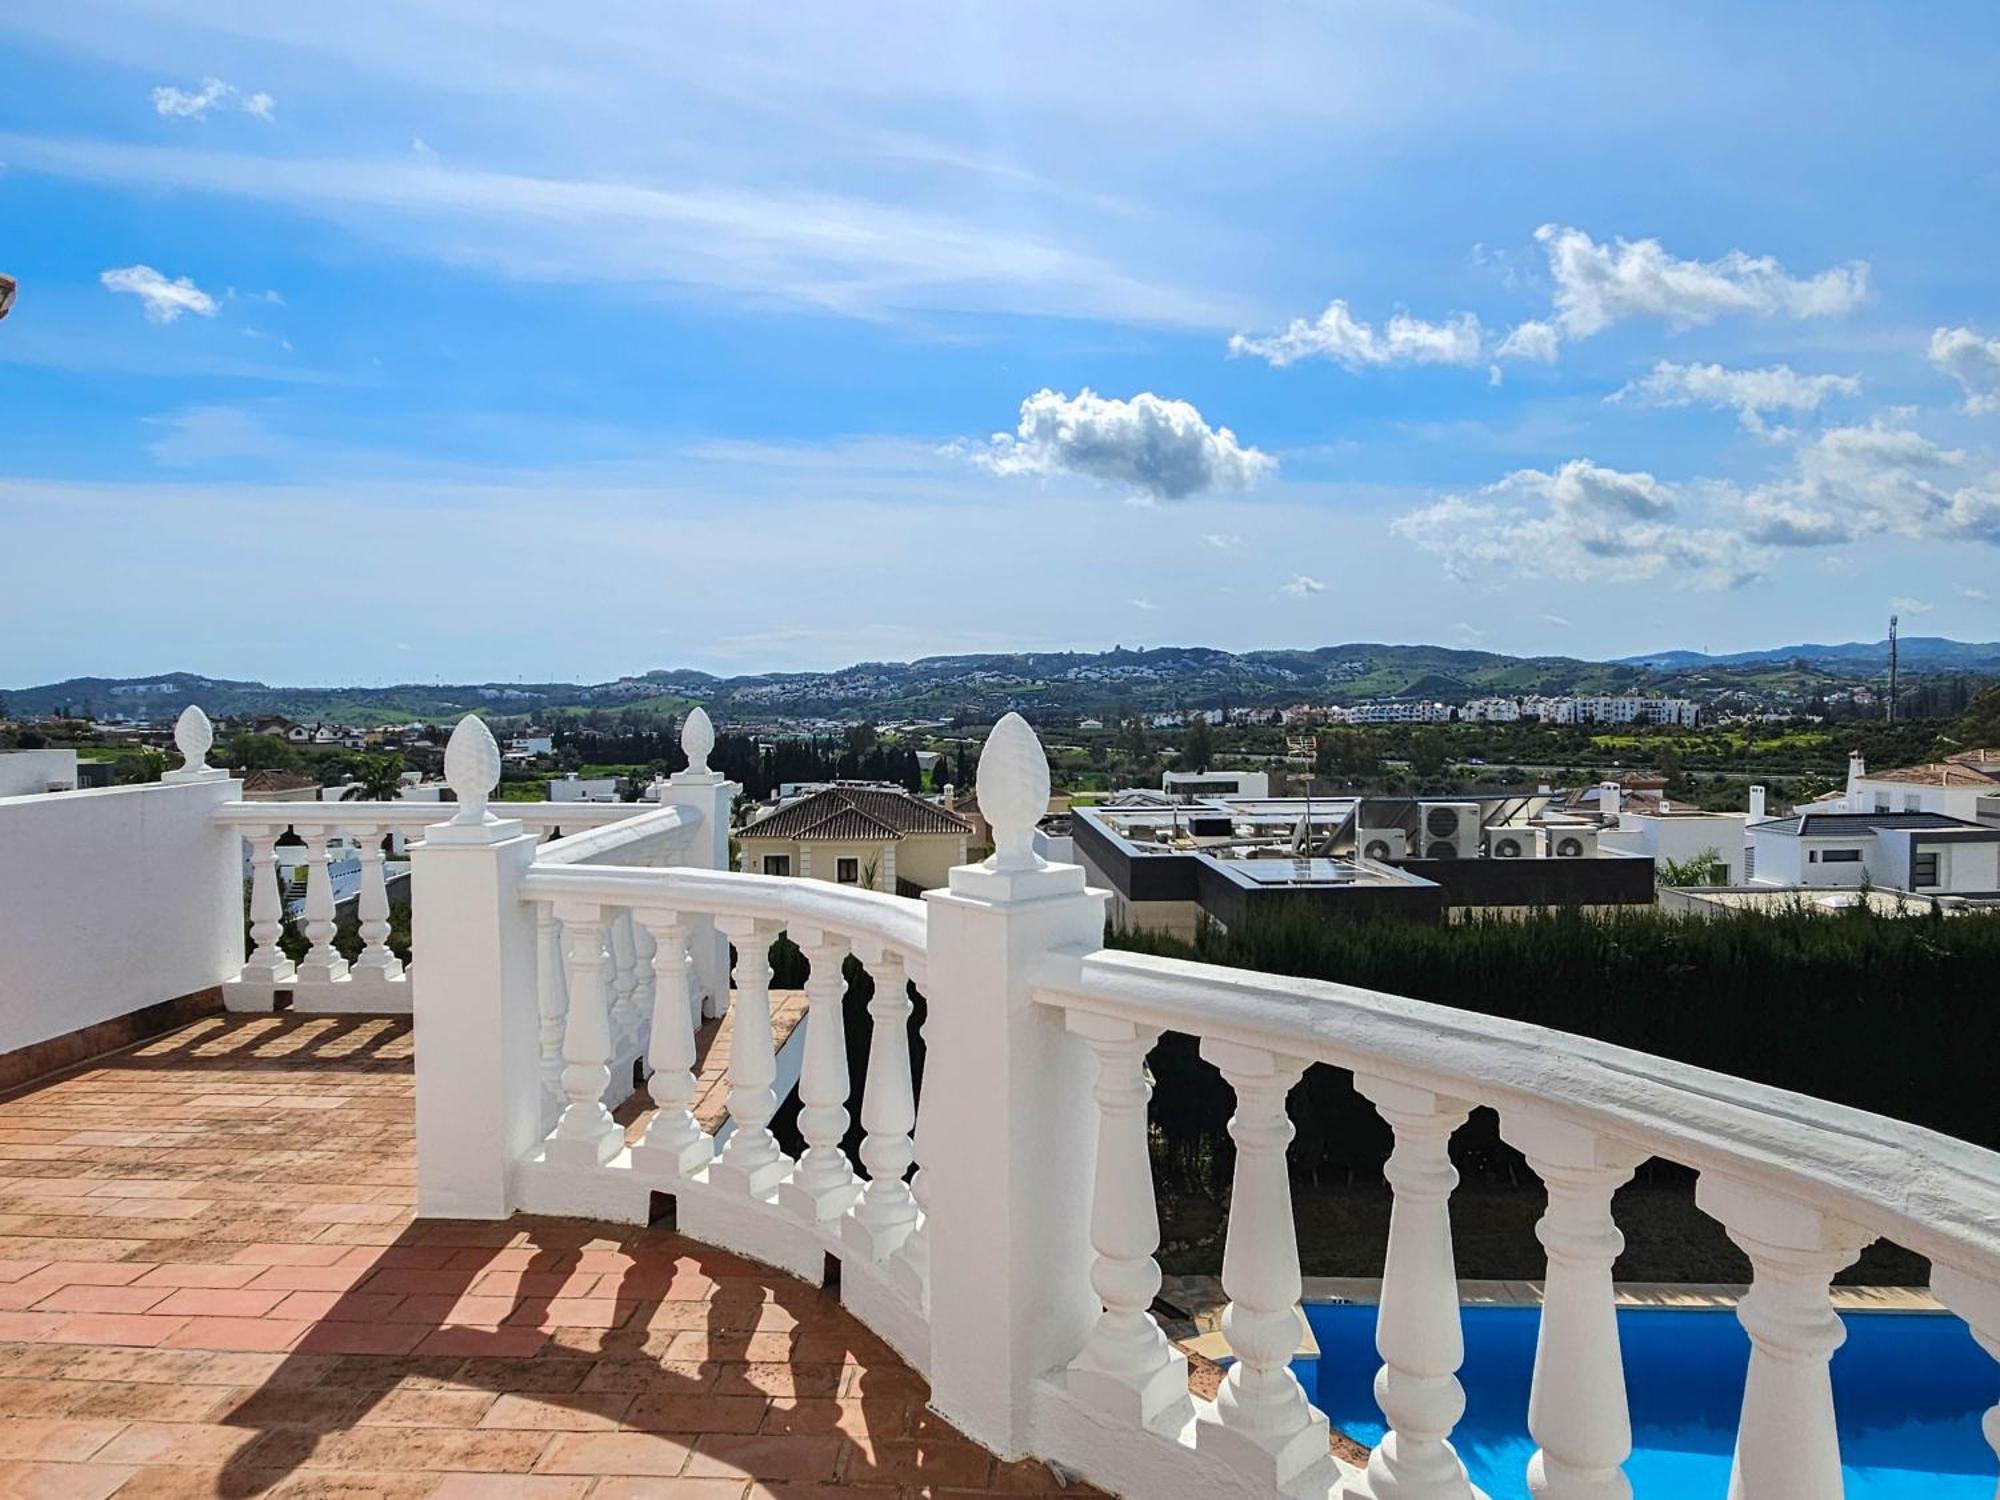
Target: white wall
x=111, y=900
x=28, y=772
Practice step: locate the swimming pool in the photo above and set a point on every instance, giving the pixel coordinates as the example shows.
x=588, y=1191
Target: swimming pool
x=1908, y=1391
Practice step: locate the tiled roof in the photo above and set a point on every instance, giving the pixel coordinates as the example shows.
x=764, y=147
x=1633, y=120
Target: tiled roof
x=277, y=781
x=1942, y=773
x=856, y=812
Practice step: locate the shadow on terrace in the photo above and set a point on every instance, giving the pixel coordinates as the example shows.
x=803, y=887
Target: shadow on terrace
x=212, y=1283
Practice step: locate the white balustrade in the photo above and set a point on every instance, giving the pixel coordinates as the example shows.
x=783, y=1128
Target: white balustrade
x=1126, y=1369
x=322, y=963
x=751, y=1162
x=1017, y=1267
x=1576, y=1405
x=1786, y=1444
x=372, y=907
x=267, y=963
x=886, y=1211
x=824, y=1185
x=585, y=1135
x=672, y=1141
x=1262, y=1423
x=1417, y=1326
x=622, y=975
x=552, y=1005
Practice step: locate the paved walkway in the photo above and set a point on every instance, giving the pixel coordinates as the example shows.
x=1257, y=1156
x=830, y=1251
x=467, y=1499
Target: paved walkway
x=212, y=1284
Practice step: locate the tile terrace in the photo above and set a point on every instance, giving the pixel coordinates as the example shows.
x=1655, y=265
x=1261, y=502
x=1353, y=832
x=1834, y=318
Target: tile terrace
x=212, y=1284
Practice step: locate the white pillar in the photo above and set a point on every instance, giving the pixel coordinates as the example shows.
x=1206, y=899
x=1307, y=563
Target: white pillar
x=372, y=907
x=1263, y=1425
x=267, y=964
x=886, y=1212
x=477, y=1095
x=824, y=1185
x=1577, y=1410
x=751, y=1162
x=322, y=963
x=1786, y=1444
x=713, y=796
x=1126, y=1368
x=623, y=977
x=1976, y=1299
x=1006, y=1115
x=672, y=1142
x=1416, y=1327
x=585, y=1135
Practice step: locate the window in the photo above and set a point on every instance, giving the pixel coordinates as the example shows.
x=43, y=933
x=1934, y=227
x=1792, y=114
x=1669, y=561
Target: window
x=847, y=871
x=777, y=864
x=1924, y=869
x=1881, y=802
x=1841, y=856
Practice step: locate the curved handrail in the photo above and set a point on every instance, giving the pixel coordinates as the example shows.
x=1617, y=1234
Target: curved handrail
x=897, y=922
x=1930, y=1193
x=619, y=837
x=400, y=814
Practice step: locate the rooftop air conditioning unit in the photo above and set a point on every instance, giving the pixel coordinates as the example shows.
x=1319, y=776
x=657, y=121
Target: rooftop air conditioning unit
x=1572, y=843
x=1384, y=843
x=1450, y=830
x=1513, y=843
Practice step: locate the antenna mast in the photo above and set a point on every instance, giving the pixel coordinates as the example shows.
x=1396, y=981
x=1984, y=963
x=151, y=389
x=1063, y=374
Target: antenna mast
x=1893, y=664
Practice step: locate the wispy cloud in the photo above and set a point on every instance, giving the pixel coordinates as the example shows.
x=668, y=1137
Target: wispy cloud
x=1336, y=335
x=1974, y=362
x=164, y=300
x=1302, y=586
x=1752, y=394
x=214, y=93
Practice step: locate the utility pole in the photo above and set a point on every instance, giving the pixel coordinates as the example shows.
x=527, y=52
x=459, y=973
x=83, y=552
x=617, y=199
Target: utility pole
x=1892, y=669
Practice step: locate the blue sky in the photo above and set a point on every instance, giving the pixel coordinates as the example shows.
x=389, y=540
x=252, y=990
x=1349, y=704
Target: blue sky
x=471, y=341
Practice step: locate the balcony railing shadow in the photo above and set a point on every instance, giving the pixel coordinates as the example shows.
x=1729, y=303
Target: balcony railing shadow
x=277, y=1041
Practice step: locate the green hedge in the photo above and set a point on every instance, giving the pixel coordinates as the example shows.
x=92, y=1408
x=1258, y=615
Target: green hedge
x=1896, y=1015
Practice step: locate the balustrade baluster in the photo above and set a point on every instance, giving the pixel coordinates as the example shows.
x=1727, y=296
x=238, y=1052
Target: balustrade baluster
x=586, y=1135
x=886, y=1212
x=645, y=993
x=672, y=1141
x=1416, y=1327
x=552, y=1004
x=1577, y=1410
x=372, y=907
x=751, y=1162
x=824, y=1185
x=1126, y=1368
x=911, y=1264
x=1786, y=1444
x=1262, y=1422
x=1977, y=1301
x=322, y=963
x=625, y=1039
x=267, y=963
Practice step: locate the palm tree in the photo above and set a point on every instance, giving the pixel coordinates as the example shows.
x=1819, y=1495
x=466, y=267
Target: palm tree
x=378, y=778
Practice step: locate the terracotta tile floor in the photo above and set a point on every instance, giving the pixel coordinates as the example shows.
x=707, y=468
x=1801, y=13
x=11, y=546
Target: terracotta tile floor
x=211, y=1284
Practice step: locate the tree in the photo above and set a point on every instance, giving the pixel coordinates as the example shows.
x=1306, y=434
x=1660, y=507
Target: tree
x=261, y=752
x=1429, y=754
x=1198, y=749
x=1345, y=754
x=1705, y=868
x=1979, y=727
x=376, y=778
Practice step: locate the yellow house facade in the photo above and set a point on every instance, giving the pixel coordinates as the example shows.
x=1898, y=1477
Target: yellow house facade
x=881, y=837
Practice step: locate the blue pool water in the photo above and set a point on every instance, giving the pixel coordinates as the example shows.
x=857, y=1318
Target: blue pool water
x=1908, y=1391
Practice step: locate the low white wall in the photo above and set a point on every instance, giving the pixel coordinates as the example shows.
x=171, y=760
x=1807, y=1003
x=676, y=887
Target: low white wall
x=112, y=900
x=32, y=772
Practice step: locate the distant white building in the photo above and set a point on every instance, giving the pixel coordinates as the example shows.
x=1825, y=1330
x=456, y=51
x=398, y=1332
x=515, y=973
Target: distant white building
x=574, y=788
x=1216, y=783
x=1966, y=785
x=1925, y=853
x=26, y=773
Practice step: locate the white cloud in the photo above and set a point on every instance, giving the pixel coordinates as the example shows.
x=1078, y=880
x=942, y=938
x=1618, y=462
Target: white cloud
x=1904, y=606
x=1852, y=482
x=164, y=300
x=1561, y=622
x=1583, y=522
x=1978, y=596
x=1163, y=448
x=1223, y=541
x=214, y=93
x=1973, y=361
x=1533, y=339
x=1752, y=393
x=1301, y=586
x=1336, y=335
x=1598, y=285
x=1142, y=603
